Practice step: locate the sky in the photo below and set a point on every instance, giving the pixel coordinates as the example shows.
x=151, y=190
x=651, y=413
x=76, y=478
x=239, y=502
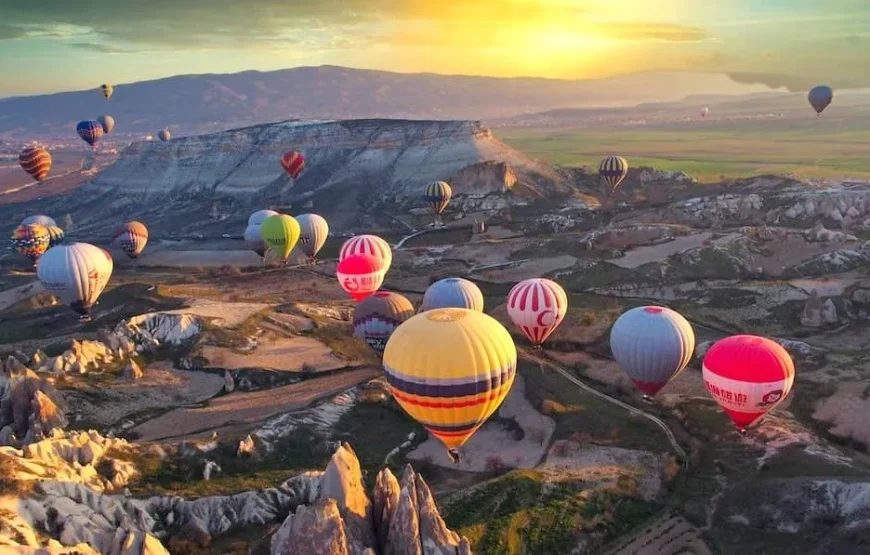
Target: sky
x=56, y=45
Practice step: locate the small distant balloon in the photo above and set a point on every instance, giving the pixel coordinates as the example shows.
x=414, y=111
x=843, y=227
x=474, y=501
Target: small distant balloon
x=164, y=135
x=31, y=240
x=613, y=170
x=91, y=131
x=132, y=238
x=704, y=112
x=314, y=232
x=820, y=97
x=36, y=161
x=438, y=195
x=293, y=163
x=108, y=123
x=107, y=90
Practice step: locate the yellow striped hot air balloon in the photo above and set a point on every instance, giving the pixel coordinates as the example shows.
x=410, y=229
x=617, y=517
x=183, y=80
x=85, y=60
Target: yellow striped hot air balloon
x=450, y=369
x=438, y=195
x=613, y=170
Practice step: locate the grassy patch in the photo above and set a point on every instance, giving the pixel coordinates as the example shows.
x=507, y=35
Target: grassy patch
x=340, y=338
x=519, y=513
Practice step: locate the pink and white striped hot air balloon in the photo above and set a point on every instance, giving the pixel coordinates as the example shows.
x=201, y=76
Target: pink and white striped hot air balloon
x=537, y=306
x=371, y=245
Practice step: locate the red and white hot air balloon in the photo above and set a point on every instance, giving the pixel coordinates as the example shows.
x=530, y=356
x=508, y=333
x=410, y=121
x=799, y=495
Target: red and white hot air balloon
x=748, y=376
x=371, y=245
x=293, y=163
x=537, y=306
x=360, y=275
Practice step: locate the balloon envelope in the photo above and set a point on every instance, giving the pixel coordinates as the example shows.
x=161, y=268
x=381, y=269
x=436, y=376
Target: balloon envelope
x=748, y=376
x=450, y=369
x=31, y=240
x=90, y=131
x=132, y=238
x=76, y=273
x=164, y=135
x=260, y=216
x=537, y=306
x=39, y=219
x=314, y=231
x=280, y=232
x=107, y=122
x=359, y=275
x=652, y=344
x=377, y=316
x=371, y=245
x=453, y=293
x=613, y=170
x=107, y=90
x=438, y=195
x=55, y=236
x=254, y=241
x=293, y=163
x=820, y=97
x=36, y=161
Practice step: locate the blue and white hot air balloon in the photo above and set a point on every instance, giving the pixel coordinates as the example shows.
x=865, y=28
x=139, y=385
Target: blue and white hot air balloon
x=453, y=293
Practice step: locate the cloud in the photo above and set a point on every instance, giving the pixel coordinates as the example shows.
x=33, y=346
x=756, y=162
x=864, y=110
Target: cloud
x=11, y=32
x=101, y=48
x=663, y=32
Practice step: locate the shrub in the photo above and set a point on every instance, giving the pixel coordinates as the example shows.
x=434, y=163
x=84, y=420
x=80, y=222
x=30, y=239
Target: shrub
x=495, y=464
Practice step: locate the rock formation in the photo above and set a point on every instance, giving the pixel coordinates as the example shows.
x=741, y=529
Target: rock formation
x=402, y=518
x=30, y=408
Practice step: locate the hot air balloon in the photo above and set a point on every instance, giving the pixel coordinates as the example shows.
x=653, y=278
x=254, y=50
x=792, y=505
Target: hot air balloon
x=39, y=219
x=613, y=170
x=108, y=123
x=820, y=97
x=537, y=306
x=450, y=369
x=377, y=316
x=132, y=238
x=748, y=376
x=90, y=131
x=704, y=112
x=314, y=231
x=254, y=241
x=453, y=293
x=368, y=244
x=293, y=163
x=652, y=344
x=164, y=135
x=55, y=236
x=360, y=275
x=438, y=195
x=107, y=90
x=258, y=217
x=280, y=233
x=31, y=240
x=77, y=274
x=36, y=161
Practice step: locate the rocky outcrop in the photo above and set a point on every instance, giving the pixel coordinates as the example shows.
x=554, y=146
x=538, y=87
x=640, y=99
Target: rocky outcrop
x=30, y=408
x=820, y=234
x=151, y=331
x=714, y=210
x=479, y=180
x=818, y=313
x=402, y=518
x=652, y=175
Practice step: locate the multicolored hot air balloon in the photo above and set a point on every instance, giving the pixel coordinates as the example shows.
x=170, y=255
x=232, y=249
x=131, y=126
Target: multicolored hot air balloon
x=77, y=274
x=371, y=245
x=377, y=316
x=164, y=135
x=314, y=231
x=280, y=233
x=453, y=293
x=132, y=238
x=613, y=170
x=39, y=219
x=820, y=97
x=254, y=241
x=450, y=369
x=537, y=306
x=31, y=240
x=55, y=236
x=438, y=195
x=360, y=275
x=748, y=376
x=36, y=161
x=293, y=163
x=652, y=344
x=258, y=217
x=90, y=131
x=107, y=90
x=108, y=123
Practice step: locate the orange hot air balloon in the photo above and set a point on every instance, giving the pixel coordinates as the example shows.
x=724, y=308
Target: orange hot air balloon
x=293, y=163
x=36, y=161
x=360, y=275
x=748, y=376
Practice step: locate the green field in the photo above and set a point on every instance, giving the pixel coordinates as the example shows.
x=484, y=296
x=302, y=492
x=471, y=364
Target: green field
x=729, y=150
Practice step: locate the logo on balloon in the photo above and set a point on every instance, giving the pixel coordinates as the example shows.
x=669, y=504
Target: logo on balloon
x=350, y=284
x=770, y=398
x=545, y=322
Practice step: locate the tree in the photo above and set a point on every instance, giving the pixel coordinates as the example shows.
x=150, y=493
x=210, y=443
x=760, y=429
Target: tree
x=66, y=223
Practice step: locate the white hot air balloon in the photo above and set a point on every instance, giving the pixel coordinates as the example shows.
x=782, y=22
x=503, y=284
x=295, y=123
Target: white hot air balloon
x=77, y=274
x=314, y=231
x=258, y=217
x=537, y=306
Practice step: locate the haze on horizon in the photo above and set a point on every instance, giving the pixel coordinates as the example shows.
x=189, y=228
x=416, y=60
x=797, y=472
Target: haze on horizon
x=57, y=45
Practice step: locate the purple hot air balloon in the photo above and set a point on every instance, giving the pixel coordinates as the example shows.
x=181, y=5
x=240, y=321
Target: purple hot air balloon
x=91, y=131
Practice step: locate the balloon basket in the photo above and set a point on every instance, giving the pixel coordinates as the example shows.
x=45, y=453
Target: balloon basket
x=454, y=456
x=85, y=318
x=647, y=399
